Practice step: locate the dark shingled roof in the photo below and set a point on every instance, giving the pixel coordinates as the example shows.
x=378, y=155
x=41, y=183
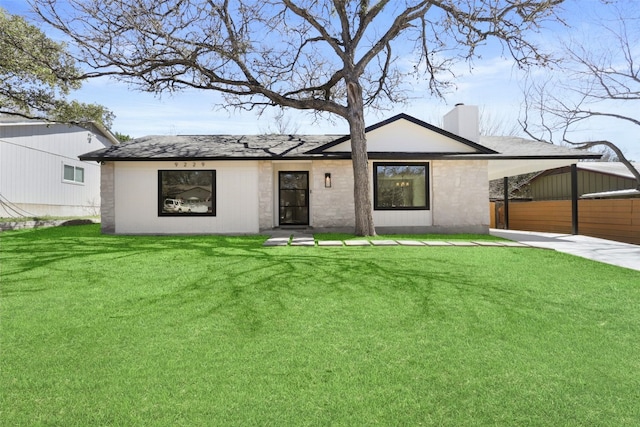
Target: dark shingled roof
x=291, y=147
x=212, y=147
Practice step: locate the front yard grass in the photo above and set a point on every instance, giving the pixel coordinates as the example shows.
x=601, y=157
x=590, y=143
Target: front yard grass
x=45, y=218
x=185, y=331
x=448, y=237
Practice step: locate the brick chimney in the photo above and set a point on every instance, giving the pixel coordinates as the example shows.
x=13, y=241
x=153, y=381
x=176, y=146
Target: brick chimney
x=463, y=120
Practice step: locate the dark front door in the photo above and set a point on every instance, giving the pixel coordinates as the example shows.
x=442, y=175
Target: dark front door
x=294, y=198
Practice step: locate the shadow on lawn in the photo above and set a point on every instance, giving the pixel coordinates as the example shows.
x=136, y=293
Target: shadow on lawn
x=37, y=248
x=433, y=284
x=88, y=255
x=254, y=294
x=237, y=279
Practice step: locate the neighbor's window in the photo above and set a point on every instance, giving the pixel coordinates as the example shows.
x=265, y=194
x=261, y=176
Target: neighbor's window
x=187, y=193
x=73, y=174
x=401, y=186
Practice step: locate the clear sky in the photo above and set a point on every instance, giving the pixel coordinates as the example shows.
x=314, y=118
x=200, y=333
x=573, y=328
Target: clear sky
x=494, y=85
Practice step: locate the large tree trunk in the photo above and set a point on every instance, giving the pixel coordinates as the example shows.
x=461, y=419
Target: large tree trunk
x=360, y=161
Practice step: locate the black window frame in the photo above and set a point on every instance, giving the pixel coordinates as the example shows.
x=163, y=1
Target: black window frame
x=401, y=208
x=162, y=197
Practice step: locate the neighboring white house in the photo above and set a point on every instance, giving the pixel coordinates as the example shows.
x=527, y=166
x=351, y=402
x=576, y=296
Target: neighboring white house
x=40, y=173
x=424, y=179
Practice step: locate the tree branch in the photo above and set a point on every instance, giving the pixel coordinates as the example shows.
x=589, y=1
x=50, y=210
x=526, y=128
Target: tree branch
x=621, y=157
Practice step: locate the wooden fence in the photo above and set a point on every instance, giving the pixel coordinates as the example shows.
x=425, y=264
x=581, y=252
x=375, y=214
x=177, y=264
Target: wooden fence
x=617, y=219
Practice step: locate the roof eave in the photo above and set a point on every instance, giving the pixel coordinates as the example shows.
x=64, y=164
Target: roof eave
x=342, y=155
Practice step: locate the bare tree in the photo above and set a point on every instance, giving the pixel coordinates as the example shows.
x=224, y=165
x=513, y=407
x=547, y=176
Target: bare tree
x=336, y=57
x=282, y=125
x=596, y=76
x=492, y=125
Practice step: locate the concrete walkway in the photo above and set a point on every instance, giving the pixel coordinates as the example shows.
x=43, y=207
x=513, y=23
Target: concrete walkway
x=607, y=251
x=304, y=238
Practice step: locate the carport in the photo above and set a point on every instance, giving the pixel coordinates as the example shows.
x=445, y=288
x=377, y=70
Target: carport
x=520, y=156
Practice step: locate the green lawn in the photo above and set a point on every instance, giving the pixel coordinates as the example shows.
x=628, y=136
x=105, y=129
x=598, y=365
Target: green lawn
x=212, y=331
x=448, y=237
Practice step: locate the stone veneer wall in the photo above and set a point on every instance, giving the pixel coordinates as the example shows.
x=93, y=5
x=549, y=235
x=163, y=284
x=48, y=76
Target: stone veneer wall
x=332, y=207
x=460, y=199
x=265, y=194
x=107, y=196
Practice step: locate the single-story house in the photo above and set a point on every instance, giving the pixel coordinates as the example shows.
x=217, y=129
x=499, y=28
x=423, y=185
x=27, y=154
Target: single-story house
x=424, y=178
x=40, y=173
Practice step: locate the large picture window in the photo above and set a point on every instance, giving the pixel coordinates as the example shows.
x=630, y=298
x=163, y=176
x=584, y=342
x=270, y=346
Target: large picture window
x=401, y=186
x=187, y=193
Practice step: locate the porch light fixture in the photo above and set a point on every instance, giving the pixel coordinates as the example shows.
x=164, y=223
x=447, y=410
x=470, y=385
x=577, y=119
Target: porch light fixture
x=327, y=180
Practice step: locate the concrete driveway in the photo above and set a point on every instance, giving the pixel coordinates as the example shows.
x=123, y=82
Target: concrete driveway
x=607, y=251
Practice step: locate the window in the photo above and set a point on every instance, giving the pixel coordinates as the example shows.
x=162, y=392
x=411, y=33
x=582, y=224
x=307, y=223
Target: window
x=187, y=193
x=73, y=174
x=401, y=186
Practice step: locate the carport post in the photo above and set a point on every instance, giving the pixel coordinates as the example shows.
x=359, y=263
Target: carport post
x=506, y=202
x=574, y=199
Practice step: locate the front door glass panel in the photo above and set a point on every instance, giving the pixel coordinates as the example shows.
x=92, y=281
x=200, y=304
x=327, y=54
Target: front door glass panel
x=294, y=198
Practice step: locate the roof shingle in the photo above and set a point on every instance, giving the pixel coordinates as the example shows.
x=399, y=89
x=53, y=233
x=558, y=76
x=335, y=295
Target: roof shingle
x=199, y=147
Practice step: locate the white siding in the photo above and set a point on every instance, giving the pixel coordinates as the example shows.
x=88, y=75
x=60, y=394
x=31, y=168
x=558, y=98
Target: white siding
x=136, y=199
x=404, y=136
x=416, y=218
x=31, y=169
